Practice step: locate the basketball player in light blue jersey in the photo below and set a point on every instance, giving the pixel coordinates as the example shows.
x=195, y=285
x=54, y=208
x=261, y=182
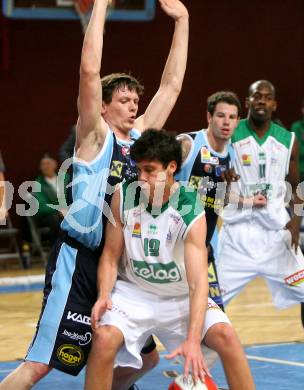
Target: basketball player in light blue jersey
x=106, y=127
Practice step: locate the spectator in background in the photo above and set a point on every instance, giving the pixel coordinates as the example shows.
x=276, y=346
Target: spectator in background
x=298, y=128
x=2, y=191
x=47, y=195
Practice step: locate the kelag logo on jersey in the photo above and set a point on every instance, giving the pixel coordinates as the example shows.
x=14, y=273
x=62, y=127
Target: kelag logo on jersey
x=156, y=272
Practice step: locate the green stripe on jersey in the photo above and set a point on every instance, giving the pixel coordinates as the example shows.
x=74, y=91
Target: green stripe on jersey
x=131, y=194
x=185, y=201
x=279, y=133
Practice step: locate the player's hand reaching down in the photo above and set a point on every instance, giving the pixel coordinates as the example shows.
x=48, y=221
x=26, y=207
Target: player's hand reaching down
x=259, y=200
x=194, y=360
x=174, y=8
x=98, y=310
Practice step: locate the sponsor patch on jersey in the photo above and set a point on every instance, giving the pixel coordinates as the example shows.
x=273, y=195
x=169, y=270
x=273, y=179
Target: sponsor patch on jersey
x=125, y=150
x=136, y=230
x=205, y=155
x=169, y=236
x=156, y=272
x=219, y=169
x=214, y=160
x=116, y=168
x=246, y=159
x=295, y=279
x=195, y=182
x=207, y=168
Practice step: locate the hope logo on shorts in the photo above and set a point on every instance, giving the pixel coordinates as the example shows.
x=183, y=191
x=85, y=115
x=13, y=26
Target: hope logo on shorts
x=70, y=355
x=156, y=272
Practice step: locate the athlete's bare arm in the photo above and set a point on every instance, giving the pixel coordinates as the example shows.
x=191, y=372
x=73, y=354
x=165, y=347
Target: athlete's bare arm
x=108, y=262
x=91, y=128
x=186, y=144
x=197, y=275
x=164, y=100
x=293, y=178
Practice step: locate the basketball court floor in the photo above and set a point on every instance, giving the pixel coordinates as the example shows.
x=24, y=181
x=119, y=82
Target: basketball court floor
x=274, y=339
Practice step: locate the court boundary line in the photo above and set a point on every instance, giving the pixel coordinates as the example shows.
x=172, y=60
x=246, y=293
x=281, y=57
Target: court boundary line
x=22, y=280
x=277, y=361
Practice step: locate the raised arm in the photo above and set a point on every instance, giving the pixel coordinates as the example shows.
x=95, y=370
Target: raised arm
x=163, y=102
x=108, y=263
x=91, y=128
x=197, y=275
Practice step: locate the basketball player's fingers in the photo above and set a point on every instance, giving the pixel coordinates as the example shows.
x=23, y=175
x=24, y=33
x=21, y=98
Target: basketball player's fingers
x=94, y=323
x=202, y=371
x=295, y=243
x=195, y=371
x=205, y=369
x=202, y=376
x=172, y=355
x=97, y=312
x=94, y=319
x=187, y=366
x=109, y=304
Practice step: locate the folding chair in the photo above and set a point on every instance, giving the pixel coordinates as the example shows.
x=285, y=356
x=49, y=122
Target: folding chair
x=9, y=248
x=39, y=245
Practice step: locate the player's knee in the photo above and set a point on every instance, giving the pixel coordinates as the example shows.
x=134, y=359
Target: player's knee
x=106, y=341
x=35, y=370
x=150, y=360
x=222, y=338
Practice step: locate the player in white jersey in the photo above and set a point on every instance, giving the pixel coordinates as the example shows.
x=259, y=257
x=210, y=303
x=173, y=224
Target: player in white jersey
x=156, y=245
x=258, y=237
x=106, y=126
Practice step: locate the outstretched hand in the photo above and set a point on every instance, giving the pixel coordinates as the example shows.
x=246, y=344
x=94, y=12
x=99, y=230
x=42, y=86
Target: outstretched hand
x=98, y=310
x=174, y=8
x=194, y=360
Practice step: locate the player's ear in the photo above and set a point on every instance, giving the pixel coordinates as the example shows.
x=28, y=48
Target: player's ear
x=172, y=167
x=103, y=108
